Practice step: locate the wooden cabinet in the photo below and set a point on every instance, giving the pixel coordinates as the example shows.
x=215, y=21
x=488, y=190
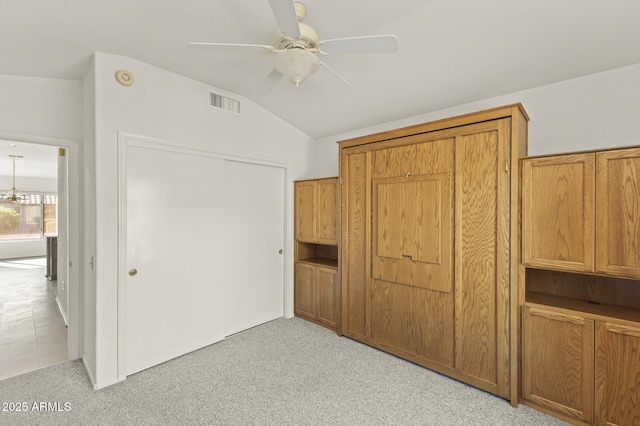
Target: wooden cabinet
x=316, y=210
x=316, y=288
x=557, y=362
x=305, y=291
x=570, y=202
x=618, y=212
x=581, y=365
x=327, y=296
x=316, y=293
x=617, y=374
x=581, y=281
x=428, y=232
x=305, y=210
x=558, y=212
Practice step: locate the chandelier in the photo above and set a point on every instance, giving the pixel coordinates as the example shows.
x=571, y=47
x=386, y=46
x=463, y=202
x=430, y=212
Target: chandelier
x=13, y=195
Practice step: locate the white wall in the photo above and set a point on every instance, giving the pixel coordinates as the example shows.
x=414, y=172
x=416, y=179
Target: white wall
x=592, y=112
x=168, y=107
x=41, y=107
x=37, y=109
x=87, y=187
x=22, y=248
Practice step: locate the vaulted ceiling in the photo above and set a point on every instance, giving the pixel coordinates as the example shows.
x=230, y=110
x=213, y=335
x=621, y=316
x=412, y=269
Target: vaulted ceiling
x=451, y=51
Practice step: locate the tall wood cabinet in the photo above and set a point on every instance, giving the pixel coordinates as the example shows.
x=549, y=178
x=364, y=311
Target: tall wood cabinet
x=581, y=281
x=429, y=233
x=316, y=288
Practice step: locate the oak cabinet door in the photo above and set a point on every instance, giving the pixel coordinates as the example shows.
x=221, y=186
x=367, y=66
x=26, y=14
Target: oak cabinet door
x=327, y=211
x=558, y=212
x=353, y=263
x=482, y=253
x=617, y=374
x=305, y=291
x=557, y=362
x=327, y=296
x=618, y=212
x=305, y=221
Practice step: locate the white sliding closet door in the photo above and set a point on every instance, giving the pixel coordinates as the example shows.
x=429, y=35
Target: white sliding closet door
x=254, y=238
x=175, y=227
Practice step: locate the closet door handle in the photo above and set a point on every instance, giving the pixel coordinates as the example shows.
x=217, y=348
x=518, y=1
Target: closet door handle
x=133, y=272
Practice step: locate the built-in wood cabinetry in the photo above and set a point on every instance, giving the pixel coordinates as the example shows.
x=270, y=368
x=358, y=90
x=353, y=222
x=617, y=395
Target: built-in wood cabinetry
x=570, y=202
x=429, y=236
x=617, y=373
x=317, y=211
x=581, y=281
x=316, y=288
x=558, y=212
x=558, y=364
x=618, y=212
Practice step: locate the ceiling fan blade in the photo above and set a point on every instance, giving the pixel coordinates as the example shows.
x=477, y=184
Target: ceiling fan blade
x=285, y=14
x=337, y=75
x=367, y=44
x=271, y=81
x=234, y=46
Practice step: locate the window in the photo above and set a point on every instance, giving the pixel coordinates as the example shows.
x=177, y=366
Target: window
x=35, y=216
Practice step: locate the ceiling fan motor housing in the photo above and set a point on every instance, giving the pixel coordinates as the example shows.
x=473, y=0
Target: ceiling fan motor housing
x=308, y=39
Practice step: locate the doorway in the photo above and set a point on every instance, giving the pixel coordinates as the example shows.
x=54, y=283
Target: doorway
x=38, y=298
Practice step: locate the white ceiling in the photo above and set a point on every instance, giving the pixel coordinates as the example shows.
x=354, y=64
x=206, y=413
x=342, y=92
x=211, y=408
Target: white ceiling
x=451, y=51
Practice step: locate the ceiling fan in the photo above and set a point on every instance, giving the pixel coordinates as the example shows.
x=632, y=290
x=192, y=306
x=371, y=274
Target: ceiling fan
x=297, y=46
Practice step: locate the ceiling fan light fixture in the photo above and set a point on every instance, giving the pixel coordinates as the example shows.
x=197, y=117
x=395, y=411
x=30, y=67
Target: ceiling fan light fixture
x=297, y=64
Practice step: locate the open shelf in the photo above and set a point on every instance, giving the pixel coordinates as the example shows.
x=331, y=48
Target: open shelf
x=589, y=294
x=320, y=261
x=317, y=254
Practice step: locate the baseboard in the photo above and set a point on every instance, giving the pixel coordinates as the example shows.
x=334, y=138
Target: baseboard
x=94, y=385
x=88, y=370
x=64, y=315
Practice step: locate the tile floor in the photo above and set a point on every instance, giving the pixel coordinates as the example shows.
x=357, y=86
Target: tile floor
x=32, y=331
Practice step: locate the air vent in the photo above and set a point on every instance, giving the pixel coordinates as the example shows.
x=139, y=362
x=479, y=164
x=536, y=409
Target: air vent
x=217, y=100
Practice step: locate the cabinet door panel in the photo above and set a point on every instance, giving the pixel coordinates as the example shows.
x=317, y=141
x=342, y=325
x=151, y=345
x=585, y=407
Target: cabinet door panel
x=557, y=362
x=618, y=212
x=327, y=294
x=305, y=291
x=305, y=200
x=414, y=320
x=354, y=270
x=558, y=212
x=617, y=374
x=482, y=212
x=412, y=229
x=327, y=211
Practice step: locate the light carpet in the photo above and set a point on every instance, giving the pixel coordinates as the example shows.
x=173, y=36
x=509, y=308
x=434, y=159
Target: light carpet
x=286, y=372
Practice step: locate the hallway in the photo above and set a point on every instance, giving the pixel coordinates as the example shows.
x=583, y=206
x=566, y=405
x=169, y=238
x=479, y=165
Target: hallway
x=32, y=330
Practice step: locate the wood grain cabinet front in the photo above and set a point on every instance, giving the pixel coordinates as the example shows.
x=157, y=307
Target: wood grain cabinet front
x=316, y=211
x=305, y=291
x=558, y=212
x=580, y=367
x=618, y=212
x=617, y=373
x=429, y=242
x=316, y=294
x=580, y=212
x=557, y=362
x=317, y=288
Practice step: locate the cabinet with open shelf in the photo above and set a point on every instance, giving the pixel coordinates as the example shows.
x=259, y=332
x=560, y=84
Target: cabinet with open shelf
x=316, y=284
x=580, y=315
